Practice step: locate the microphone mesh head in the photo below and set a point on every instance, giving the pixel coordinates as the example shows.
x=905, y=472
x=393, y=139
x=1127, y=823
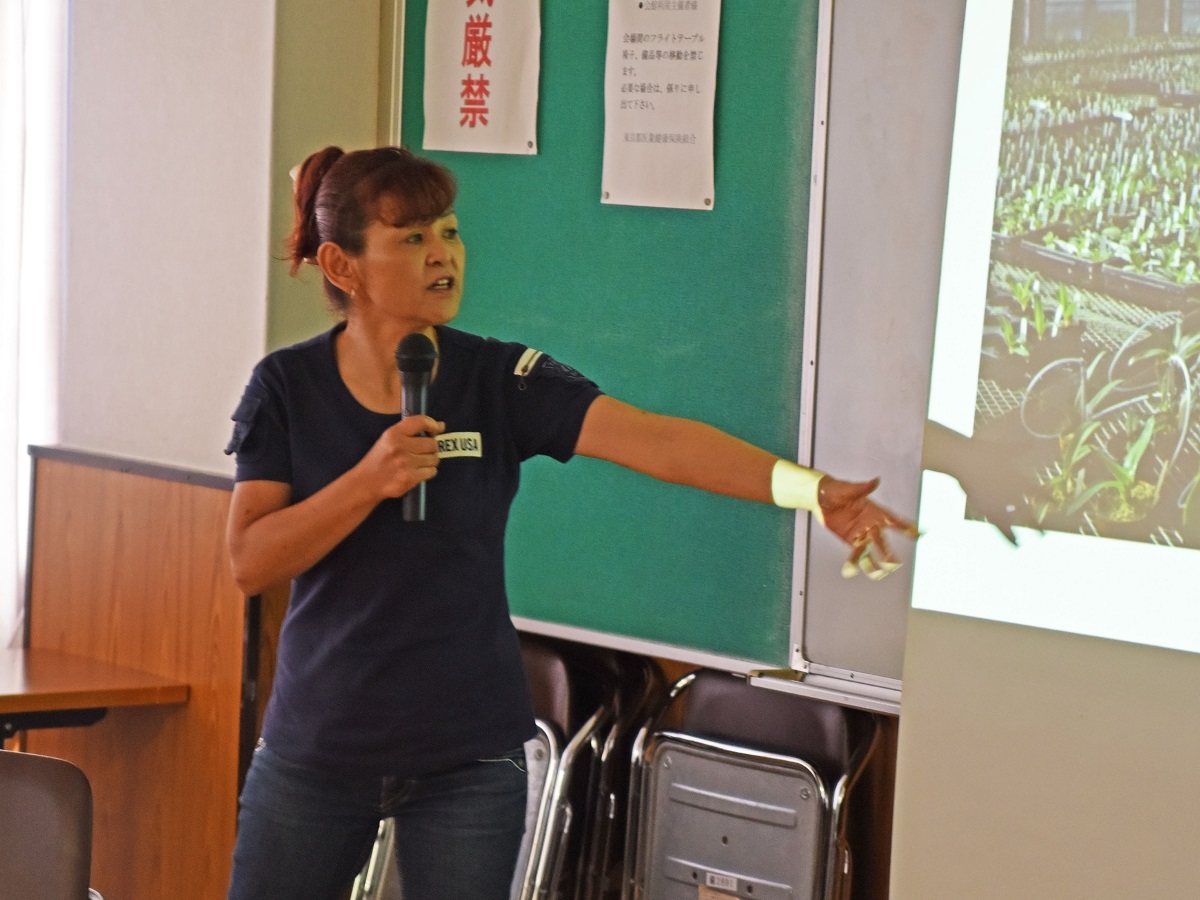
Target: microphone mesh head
x=416, y=353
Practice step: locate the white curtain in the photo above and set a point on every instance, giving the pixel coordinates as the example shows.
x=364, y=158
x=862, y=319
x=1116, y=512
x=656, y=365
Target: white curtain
x=32, y=106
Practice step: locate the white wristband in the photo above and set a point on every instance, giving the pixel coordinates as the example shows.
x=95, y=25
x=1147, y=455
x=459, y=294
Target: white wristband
x=795, y=487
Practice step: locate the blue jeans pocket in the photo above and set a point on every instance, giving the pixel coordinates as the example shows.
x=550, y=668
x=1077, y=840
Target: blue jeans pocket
x=515, y=758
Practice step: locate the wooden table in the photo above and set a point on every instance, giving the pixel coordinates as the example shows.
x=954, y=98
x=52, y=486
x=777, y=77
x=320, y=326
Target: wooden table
x=48, y=689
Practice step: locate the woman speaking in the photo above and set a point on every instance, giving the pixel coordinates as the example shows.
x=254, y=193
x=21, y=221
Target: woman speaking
x=399, y=689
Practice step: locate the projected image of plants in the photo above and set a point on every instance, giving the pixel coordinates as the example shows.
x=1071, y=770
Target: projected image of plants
x=1091, y=344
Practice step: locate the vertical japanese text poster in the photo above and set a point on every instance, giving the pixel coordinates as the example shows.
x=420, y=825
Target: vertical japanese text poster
x=481, y=75
x=660, y=84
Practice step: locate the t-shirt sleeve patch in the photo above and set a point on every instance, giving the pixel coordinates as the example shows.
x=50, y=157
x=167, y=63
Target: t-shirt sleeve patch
x=528, y=360
x=547, y=404
x=536, y=364
x=244, y=418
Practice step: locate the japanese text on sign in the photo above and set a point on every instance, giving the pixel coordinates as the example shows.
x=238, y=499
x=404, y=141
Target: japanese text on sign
x=477, y=40
x=481, y=73
x=659, y=88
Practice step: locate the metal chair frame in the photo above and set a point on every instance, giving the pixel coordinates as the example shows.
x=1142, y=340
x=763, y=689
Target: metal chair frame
x=835, y=879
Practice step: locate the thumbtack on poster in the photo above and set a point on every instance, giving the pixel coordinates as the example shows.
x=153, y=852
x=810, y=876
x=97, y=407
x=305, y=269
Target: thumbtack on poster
x=660, y=82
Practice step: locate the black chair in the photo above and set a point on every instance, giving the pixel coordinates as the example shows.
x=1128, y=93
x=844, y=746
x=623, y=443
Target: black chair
x=744, y=792
x=45, y=828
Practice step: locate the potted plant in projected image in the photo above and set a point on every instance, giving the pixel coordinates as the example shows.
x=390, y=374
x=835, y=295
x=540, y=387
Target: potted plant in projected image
x=1123, y=499
x=1090, y=352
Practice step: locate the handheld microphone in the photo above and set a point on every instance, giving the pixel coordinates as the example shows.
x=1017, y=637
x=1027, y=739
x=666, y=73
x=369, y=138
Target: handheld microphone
x=415, y=358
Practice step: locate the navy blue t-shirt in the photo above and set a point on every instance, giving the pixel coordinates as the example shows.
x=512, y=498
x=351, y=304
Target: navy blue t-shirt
x=397, y=654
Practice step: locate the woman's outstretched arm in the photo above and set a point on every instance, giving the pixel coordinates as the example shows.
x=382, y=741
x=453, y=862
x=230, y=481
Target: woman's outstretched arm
x=683, y=451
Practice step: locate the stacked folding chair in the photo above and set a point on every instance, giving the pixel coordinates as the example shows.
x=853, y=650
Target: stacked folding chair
x=740, y=791
x=600, y=862
x=575, y=691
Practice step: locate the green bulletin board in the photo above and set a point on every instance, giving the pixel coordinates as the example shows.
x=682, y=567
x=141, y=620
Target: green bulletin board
x=698, y=314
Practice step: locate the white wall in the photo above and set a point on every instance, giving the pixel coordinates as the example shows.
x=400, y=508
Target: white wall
x=168, y=150
x=894, y=71
x=1036, y=764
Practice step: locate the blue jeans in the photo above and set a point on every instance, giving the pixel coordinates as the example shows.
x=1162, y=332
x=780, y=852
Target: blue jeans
x=304, y=833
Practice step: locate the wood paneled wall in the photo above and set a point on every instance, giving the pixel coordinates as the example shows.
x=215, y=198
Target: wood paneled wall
x=132, y=569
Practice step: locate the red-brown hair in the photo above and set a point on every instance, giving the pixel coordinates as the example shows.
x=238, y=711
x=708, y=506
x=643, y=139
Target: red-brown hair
x=338, y=194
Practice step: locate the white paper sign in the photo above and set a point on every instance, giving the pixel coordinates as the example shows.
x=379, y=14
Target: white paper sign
x=660, y=84
x=481, y=75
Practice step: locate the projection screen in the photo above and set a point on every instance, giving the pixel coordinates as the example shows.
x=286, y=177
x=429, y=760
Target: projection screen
x=1064, y=406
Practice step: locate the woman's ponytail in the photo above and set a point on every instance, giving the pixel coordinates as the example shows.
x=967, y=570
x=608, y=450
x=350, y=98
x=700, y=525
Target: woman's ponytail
x=305, y=237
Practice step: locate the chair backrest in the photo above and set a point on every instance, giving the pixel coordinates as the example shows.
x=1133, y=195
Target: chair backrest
x=725, y=707
x=549, y=681
x=45, y=828
x=740, y=721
